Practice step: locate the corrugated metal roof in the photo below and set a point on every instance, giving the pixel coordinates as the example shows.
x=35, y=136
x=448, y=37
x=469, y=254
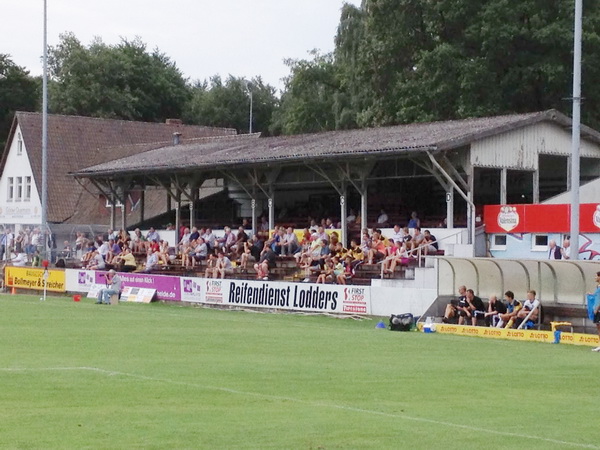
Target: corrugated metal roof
x=371, y=141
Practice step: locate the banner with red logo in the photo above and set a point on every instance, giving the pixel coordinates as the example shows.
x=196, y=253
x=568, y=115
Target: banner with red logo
x=539, y=218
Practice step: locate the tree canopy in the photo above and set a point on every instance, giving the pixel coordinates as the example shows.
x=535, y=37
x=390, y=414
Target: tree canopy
x=400, y=61
x=18, y=92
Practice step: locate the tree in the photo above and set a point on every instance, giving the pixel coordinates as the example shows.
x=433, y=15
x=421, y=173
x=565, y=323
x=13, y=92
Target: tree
x=18, y=92
x=313, y=99
x=227, y=104
x=400, y=61
x=122, y=81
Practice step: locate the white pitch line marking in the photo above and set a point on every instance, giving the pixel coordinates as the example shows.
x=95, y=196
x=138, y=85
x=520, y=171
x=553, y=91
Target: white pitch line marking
x=305, y=402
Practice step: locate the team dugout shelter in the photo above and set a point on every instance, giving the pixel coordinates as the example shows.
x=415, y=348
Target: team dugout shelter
x=446, y=171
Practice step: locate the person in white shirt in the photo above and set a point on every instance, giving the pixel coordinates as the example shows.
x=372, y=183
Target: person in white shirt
x=566, y=249
x=383, y=218
x=151, y=261
x=289, y=244
x=19, y=260
x=531, y=305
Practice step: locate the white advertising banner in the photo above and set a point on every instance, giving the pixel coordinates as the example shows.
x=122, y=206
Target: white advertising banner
x=330, y=298
x=291, y=296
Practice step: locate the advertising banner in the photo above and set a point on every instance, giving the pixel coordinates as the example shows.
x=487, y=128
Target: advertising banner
x=192, y=289
x=167, y=288
x=257, y=294
x=539, y=218
x=33, y=278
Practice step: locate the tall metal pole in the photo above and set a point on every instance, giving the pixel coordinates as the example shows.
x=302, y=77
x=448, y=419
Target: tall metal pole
x=576, y=130
x=250, y=121
x=45, y=134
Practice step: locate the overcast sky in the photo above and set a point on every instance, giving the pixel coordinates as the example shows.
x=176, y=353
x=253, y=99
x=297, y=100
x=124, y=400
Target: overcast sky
x=203, y=37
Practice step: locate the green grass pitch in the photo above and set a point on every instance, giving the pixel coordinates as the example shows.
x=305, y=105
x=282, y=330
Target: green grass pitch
x=80, y=375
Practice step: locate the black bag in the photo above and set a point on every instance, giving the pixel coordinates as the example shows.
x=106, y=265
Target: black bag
x=401, y=322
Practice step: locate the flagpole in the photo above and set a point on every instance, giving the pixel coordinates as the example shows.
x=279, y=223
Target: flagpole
x=45, y=136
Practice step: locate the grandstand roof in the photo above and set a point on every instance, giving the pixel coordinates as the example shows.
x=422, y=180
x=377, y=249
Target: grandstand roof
x=244, y=150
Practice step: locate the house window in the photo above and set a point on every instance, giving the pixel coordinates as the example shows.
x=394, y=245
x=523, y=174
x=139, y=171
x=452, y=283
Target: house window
x=27, y=197
x=11, y=189
x=539, y=242
x=498, y=242
x=19, y=194
x=19, y=144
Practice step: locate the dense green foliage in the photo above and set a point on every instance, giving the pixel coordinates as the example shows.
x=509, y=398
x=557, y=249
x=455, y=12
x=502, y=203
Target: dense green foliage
x=227, y=104
x=400, y=61
x=395, y=61
x=79, y=375
x=122, y=81
x=18, y=92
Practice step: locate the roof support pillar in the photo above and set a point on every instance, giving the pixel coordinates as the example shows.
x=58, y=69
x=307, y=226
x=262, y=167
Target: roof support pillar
x=271, y=203
x=449, y=207
x=363, y=205
x=253, y=208
x=142, y=204
x=177, y=213
x=344, y=216
x=503, y=185
x=467, y=197
x=112, y=212
x=536, y=186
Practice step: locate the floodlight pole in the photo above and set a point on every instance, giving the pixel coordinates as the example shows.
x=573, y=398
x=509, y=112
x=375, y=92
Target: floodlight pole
x=249, y=88
x=575, y=140
x=45, y=135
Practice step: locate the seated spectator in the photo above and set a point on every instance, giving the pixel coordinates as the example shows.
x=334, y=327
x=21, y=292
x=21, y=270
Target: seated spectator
x=277, y=240
x=163, y=252
x=397, y=234
x=413, y=223
x=326, y=275
x=138, y=242
x=211, y=263
x=356, y=253
x=152, y=235
x=103, y=248
x=195, y=234
x=351, y=217
x=321, y=234
x=185, y=238
x=242, y=237
x=430, y=244
x=329, y=224
x=495, y=309
x=151, y=260
x=348, y=271
x=452, y=307
x=199, y=252
x=248, y=254
x=512, y=308
x=264, y=224
x=97, y=261
x=383, y=219
x=476, y=307
x=531, y=305
x=67, y=251
x=113, y=252
x=416, y=242
x=19, y=259
x=289, y=245
x=398, y=255
x=315, y=262
x=210, y=239
x=223, y=266
x=125, y=261
x=378, y=248
x=267, y=262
